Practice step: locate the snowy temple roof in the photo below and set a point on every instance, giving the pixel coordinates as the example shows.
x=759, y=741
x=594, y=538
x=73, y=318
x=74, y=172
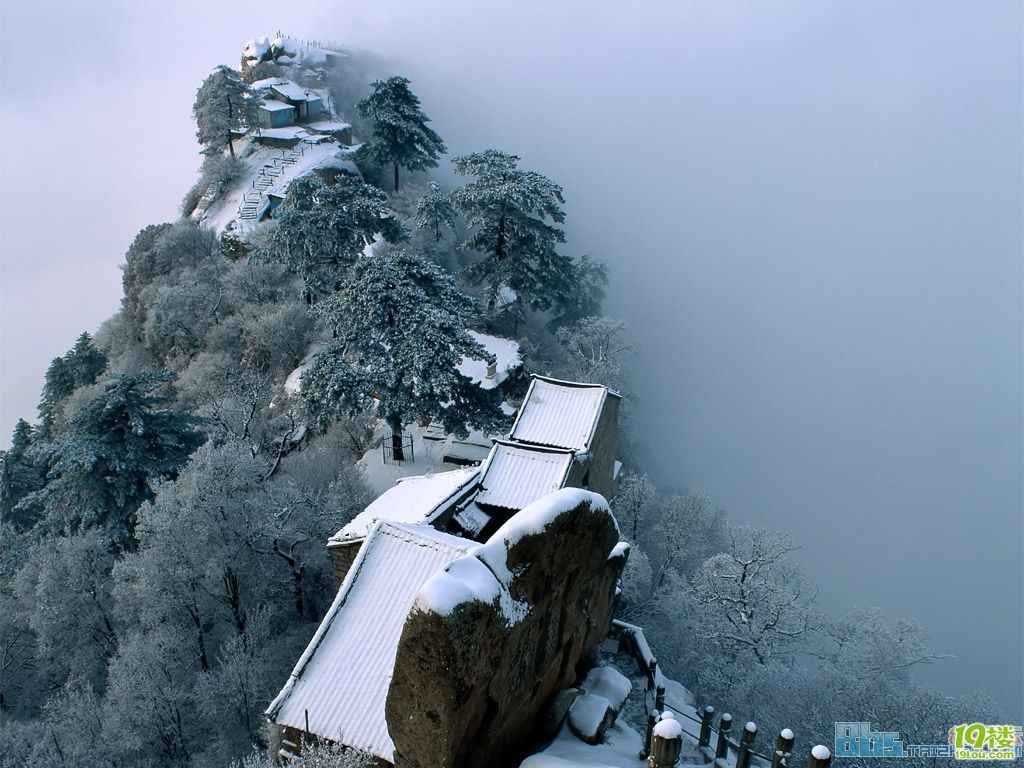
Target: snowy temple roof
x=275, y=106
x=289, y=90
x=412, y=500
x=342, y=678
x=266, y=82
x=561, y=414
x=516, y=475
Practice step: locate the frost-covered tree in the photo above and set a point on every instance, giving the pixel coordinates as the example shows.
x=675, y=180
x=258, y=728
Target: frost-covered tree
x=753, y=604
x=401, y=136
x=513, y=217
x=400, y=334
x=148, y=710
x=19, y=667
x=231, y=566
x=65, y=580
x=595, y=348
x=634, y=505
x=323, y=228
x=223, y=104
x=313, y=756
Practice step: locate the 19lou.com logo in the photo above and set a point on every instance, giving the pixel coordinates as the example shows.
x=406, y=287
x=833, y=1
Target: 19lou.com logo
x=968, y=741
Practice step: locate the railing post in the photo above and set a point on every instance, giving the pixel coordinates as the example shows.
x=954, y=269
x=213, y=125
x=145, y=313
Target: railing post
x=659, y=698
x=706, y=718
x=724, y=724
x=783, y=746
x=667, y=744
x=820, y=757
x=648, y=733
x=746, y=743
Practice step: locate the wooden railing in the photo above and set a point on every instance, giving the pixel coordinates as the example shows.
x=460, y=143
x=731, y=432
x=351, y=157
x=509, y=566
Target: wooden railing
x=660, y=753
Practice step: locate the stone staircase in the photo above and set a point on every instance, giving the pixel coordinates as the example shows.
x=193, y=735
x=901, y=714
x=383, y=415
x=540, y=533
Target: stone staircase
x=254, y=199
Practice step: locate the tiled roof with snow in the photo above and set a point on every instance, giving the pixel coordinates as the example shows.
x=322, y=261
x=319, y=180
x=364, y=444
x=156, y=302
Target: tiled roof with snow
x=290, y=90
x=412, y=500
x=516, y=475
x=266, y=82
x=329, y=125
x=276, y=106
x=562, y=414
x=342, y=678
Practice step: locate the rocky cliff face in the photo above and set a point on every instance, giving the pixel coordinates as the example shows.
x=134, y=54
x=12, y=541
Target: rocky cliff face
x=502, y=630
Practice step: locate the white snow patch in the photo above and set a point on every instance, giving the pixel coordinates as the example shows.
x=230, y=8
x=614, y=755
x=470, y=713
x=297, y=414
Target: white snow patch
x=536, y=517
x=620, y=749
x=256, y=49
x=821, y=752
x=609, y=684
x=588, y=713
x=620, y=550
x=485, y=577
x=786, y=733
x=668, y=728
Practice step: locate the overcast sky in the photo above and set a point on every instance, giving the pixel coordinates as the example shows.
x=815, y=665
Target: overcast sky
x=811, y=210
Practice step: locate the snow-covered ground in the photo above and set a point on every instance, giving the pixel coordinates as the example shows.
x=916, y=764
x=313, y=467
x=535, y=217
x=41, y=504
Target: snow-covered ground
x=428, y=459
x=506, y=352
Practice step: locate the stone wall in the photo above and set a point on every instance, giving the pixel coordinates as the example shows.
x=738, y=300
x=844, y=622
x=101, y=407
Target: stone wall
x=502, y=630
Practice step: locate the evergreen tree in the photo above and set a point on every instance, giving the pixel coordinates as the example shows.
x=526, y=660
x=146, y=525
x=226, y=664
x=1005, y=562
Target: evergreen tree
x=223, y=104
x=513, y=216
x=400, y=333
x=80, y=366
x=117, y=447
x=434, y=212
x=401, y=136
x=323, y=228
x=19, y=476
x=581, y=297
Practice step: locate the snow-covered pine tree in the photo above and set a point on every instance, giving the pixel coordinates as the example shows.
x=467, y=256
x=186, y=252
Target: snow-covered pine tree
x=223, y=104
x=401, y=136
x=19, y=476
x=81, y=365
x=434, y=212
x=400, y=327
x=323, y=228
x=117, y=446
x=508, y=211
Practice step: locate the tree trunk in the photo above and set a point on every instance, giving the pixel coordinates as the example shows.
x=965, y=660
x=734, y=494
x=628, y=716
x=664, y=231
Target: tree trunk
x=231, y=117
x=297, y=573
x=499, y=248
x=396, y=177
x=395, y=422
x=204, y=660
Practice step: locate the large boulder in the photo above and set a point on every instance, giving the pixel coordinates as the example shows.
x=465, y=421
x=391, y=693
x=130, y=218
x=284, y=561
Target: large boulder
x=498, y=633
